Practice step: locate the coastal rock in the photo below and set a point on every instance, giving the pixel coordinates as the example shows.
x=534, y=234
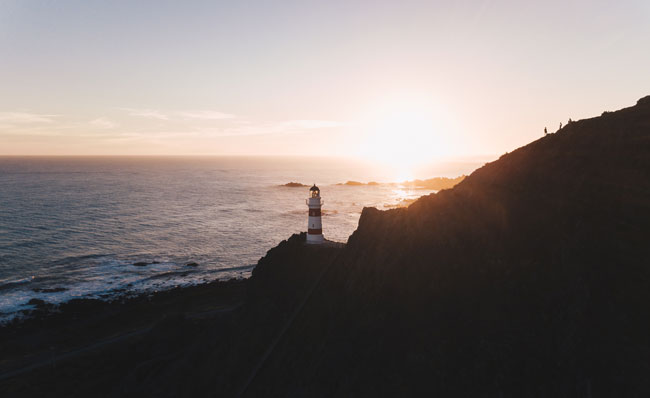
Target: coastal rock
x=37, y=302
x=192, y=264
x=141, y=264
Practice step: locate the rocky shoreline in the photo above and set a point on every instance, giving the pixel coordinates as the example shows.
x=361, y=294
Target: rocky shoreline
x=50, y=330
x=110, y=340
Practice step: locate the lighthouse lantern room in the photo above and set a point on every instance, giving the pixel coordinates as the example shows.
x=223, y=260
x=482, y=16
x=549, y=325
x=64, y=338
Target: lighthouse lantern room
x=314, y=225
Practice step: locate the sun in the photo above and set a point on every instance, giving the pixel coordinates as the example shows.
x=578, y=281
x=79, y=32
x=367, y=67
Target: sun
x=403, y=134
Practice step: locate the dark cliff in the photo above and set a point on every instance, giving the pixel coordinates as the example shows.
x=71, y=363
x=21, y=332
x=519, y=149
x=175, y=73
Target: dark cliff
x=528, y=278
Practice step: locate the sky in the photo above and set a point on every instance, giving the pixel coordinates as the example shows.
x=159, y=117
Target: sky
x=401, y=81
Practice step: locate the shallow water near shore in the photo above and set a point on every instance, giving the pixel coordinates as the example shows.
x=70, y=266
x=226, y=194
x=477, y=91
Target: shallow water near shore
x=75, y=227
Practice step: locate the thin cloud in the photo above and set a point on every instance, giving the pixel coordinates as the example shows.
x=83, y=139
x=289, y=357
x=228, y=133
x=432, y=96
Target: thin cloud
x=286, y=127
x=103, y=123
x=25, y=117
x=205, y=115
x=311, y=124
x=183, y=115
x=146, y=113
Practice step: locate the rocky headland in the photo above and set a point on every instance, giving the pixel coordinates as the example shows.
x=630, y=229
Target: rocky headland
x=528, y=278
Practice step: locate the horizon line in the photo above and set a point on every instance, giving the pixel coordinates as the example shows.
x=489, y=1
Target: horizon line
x=445, y=159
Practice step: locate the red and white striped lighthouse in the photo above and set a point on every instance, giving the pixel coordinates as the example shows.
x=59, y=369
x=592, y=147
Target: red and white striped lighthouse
x=314, y=225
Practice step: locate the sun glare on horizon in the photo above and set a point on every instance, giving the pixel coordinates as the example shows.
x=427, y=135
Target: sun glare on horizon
x=405, y=133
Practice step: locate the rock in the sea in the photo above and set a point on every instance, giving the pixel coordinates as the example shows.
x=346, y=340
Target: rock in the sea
x=192, y=264
x=141, y=264
x=37, y=302
x=41, y=306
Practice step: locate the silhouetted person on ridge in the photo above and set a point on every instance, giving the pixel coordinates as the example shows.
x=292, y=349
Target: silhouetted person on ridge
x=545, y=131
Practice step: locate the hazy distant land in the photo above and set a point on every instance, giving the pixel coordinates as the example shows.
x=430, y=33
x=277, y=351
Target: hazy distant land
x=435, y=183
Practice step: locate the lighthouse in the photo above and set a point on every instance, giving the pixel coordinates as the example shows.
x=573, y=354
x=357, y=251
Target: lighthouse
x=314, y=225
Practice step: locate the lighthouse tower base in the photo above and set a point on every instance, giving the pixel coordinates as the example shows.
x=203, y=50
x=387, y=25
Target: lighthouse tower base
x=314, y=224
x=313, y=239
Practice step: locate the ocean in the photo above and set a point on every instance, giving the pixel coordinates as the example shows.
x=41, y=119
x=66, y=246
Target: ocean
x=73, y=227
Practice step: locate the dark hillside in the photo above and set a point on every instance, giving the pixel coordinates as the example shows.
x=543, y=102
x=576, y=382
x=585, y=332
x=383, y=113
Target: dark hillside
x=528, y=278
